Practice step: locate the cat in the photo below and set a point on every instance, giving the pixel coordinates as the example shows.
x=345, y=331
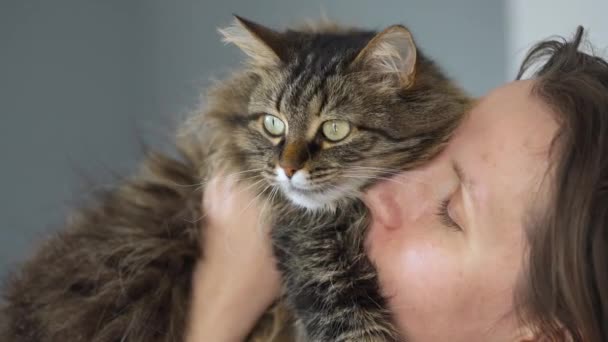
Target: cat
x=316, y=116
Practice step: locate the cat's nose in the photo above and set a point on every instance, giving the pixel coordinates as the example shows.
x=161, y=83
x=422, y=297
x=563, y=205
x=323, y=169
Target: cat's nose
x=290, y=171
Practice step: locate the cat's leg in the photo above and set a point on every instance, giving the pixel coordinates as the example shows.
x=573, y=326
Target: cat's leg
x=330, y=283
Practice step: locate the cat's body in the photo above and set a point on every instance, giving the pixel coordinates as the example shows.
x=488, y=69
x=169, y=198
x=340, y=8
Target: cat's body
x=121, y=269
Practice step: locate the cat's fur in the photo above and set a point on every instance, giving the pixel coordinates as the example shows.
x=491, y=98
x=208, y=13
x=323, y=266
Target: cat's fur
x=121, y=269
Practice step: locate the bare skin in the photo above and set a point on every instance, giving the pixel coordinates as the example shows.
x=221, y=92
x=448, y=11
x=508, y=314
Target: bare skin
x=457, y=283
x=444, y=282
x=244, y=279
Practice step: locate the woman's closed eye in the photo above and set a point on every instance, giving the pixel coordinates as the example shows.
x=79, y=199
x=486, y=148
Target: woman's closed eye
x=443, y=212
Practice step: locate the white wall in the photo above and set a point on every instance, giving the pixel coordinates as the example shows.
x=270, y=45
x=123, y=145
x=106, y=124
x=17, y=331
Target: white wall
x=529, y=21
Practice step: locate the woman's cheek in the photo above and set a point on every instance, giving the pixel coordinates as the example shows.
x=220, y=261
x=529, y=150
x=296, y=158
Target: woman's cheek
x=423, y=283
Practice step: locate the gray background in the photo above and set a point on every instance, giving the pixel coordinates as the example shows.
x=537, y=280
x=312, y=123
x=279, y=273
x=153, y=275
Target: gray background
x=80, y=80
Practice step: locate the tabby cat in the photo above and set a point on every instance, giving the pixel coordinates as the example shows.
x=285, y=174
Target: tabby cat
x=316, y=116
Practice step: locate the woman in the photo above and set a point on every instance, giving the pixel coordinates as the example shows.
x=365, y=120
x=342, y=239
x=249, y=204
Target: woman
x=519, y=253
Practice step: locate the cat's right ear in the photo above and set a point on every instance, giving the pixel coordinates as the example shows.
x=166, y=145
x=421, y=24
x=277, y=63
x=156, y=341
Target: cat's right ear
x=264, y=46
x=392, y=52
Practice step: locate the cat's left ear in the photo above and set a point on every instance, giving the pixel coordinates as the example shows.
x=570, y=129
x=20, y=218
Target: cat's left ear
x=263, y=45
x=392, y=51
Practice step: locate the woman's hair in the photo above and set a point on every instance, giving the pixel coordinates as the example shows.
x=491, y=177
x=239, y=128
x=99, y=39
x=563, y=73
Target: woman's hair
x=565, y=291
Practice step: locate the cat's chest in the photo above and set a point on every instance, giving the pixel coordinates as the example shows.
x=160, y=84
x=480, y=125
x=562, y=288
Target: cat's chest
x=298, y=228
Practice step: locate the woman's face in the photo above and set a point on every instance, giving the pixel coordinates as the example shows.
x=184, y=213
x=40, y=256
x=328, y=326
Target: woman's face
x=455, y=281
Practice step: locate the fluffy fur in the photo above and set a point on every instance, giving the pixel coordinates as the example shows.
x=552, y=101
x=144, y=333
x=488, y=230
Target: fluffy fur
x=121, y=269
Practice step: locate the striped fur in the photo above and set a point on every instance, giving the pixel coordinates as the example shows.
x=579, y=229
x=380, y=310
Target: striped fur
x=121, y=269
x=402, y=109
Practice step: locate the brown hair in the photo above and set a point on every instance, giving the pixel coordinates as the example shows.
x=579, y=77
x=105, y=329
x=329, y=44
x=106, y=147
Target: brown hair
x=566, y=289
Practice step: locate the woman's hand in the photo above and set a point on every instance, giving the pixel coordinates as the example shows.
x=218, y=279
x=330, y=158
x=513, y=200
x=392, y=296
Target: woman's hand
x=236, y=280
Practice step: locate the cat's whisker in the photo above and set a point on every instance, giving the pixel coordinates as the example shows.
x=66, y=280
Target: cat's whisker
x=205, y=182
x=262, y=214
x=346, y=191
x=435, y=195
x=227, y=246
x=244, y=171
x=374, y=171
x=252, y=185
x=377, y=168
x=248, y=183
x=197, y=184
x=373, y=168
x=254, y=199
x=201, y=184
x=205, y=214
x=197, y=220
x=370, y=173
x=372, y=176
x=359, y=176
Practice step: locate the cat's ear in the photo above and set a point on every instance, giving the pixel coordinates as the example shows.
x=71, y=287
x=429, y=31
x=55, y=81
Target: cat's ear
x=392, y=51
x=265, y=46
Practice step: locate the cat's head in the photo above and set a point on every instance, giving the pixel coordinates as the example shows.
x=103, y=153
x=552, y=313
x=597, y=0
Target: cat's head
x=321, y=113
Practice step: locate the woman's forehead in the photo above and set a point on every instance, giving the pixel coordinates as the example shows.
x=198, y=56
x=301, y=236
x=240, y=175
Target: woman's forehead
x=503, y=145
x=510, y=117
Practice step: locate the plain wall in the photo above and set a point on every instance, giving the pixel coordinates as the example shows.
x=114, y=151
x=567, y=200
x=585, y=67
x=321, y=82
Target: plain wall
x=80, y=79
x=531, y=21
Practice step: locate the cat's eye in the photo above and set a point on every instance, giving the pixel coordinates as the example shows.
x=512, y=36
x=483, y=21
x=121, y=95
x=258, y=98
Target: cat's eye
x=273, y=125
x=336, y=130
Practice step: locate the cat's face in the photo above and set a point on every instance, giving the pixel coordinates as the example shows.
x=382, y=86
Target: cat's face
x=323, y=139
x=325, y=122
